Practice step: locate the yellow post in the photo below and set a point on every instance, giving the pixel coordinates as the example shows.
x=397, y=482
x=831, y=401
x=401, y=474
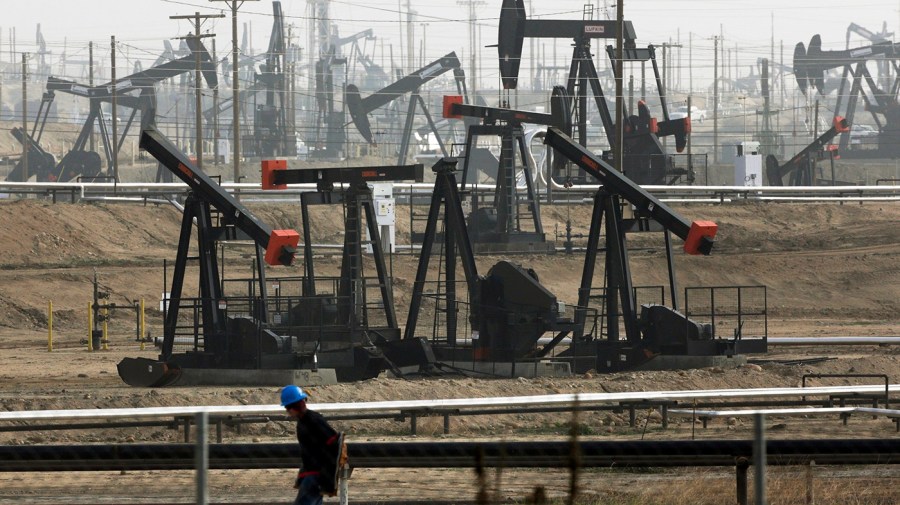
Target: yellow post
x=104, y=339
x=142, y=327
x=50, y=327
x=90, y=326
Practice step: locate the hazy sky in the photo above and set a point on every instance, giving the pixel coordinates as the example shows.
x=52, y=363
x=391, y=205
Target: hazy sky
x=140, y=26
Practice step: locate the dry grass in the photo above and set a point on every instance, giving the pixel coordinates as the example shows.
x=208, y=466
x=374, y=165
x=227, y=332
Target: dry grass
x=785, y=486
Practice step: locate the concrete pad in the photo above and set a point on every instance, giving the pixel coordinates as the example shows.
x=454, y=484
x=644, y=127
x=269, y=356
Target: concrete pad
x=240, y=377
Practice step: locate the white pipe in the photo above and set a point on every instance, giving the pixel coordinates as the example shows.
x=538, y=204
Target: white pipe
x=798, y=341
x=451, y=403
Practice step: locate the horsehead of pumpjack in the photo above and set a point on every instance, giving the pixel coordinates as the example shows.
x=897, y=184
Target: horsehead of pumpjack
x=510, y=39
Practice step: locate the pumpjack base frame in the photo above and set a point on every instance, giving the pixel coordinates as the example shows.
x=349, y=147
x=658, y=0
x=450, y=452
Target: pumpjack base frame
x=258, y=377
x=143, y=372
x=509, y=370
x=610, y=357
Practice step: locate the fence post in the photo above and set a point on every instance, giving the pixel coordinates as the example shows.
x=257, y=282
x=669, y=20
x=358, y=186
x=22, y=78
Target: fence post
x=344, y=485
x=810, y=495
x=201, y=458
x=740, y=470
x=141, y=326
x=90, y=335
x=104, y=343
x=50, y=327
x=759, y=458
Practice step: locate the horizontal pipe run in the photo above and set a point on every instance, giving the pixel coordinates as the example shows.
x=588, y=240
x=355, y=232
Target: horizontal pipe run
x=684, y=194
x=543, y=454
x=800, y=341
x=581, y=399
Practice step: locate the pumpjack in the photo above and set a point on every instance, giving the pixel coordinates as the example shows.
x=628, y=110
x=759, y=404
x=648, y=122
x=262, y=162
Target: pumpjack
x=884, y=66
x=136, y=91
x=221, y=340
x=802, y=167
x=512, y=222
x=349, y=323
x=360, y=107
x=810, y=65
x=645, y=160
x=509, y=310
x=658, y=330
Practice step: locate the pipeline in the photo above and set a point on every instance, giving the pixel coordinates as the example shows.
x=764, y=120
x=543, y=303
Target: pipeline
x=539, y=454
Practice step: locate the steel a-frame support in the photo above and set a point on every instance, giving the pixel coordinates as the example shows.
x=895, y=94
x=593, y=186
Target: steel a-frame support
x=358, y=203
x=213, y=320
x=456, y=238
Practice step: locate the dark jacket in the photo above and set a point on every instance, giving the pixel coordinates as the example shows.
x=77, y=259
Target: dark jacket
x=318, y=451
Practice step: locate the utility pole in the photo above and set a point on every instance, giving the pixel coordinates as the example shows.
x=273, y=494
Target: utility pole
x=289, y=58
x=215, y=109
x=234, y=5
x=678, y=81
x=690, y=63
x=620, y=99
x=91, y=84
x=424, y=44
x=25, y=145
x=198, y=97
x=410, y=37
x=666, y=63
x=473, y=44
x=715, y=98
x=115, y=124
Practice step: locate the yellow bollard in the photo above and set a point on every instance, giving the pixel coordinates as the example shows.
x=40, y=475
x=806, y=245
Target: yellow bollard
x=90, y=326
x=142, y=327
x=104, y=340
x=50, y=327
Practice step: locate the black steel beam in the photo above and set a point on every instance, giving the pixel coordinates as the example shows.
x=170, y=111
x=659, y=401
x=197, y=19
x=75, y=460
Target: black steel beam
x=698, y=236
x=280, y=245
x=276, y=178
x=555, y=454
x=491, y=115
x=411, y=82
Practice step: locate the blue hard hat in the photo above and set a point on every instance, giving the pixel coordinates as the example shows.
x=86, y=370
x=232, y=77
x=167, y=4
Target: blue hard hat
x=292, y=394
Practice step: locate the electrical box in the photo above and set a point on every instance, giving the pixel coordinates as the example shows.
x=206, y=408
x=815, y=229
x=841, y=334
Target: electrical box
x=224, y=146
x=748, y=164
x=383, y=201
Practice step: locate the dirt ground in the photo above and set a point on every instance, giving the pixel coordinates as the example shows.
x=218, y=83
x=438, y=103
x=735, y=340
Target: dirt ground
x=829, y=269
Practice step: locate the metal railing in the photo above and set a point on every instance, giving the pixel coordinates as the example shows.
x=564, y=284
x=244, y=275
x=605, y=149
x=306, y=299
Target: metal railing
x=252, y=191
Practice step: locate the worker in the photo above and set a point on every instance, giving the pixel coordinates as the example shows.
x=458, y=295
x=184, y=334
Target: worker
x=321, y=449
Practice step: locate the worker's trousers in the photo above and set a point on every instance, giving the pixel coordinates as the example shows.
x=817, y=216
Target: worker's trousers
x=310, y=493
